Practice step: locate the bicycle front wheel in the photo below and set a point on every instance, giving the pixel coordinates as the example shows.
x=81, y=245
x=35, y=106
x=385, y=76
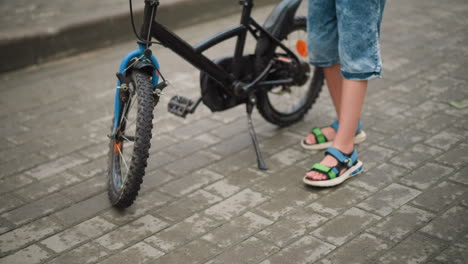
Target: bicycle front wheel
x=129, y=149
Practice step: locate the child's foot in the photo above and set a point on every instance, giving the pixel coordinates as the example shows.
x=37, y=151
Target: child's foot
x=328, y=161
x=334, y=169
x=322, y=138
x=328, y=132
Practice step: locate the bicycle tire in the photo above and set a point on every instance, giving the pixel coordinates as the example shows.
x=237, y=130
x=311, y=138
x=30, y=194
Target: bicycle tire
x=124, y=194
x=266, y=107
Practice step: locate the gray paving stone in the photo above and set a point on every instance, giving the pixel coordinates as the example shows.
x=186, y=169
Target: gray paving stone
x=415, y=249
x=389, y=199
x=401, y=223
x=235, y=126
x=145, y=203
x=37, y=209
x=436, y=123
x=190, y=183
x=453, y=254
x=232, y=145
x=83, y=210
x=138, y=253
x=446, y=139
x=14, y=182
x=47, y=186
x=359, y=250
x=134, y=231
x=190, y=163
x=449, y=225
x=85, y=254
x=343, y=227
x=56, y=166
x=94, y=167
x=190, y=145
x=427, y=175
x=86, y=188
x=233, y=163
x=404, y=139
x=237, y=230
x=235, y=204
x=158, y=160
x=456, y=156
x=415, y=156
x=278, y=141
x=188, y=205
x=5, y=226
x=461, y=176
x=306, y=250
x=9, y=201
x=338, y=200
x=283, y=159
x=196, y=251
x=196, y=128
x=232, y=184
x=285, y=202
x=291, y=227
x=378, y=177
x=375, y=155
x=30, y=255
x=94, y=151
x=155, y=179
x=73, y=236
x=182, y=232
x=18, y=166
x=27, y=234
x=251, y=250
x=440, y=196
x=280, y=181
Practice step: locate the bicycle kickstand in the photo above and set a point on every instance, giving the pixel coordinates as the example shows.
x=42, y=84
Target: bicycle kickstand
x=249, y=107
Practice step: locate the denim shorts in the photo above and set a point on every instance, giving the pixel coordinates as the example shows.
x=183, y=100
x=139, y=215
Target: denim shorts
x=346, y=32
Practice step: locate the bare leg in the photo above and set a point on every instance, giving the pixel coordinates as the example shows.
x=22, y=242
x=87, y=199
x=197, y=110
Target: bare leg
x=334, y=83
x=350, y=110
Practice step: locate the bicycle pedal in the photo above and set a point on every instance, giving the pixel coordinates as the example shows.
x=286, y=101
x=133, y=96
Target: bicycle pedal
x=180, y=106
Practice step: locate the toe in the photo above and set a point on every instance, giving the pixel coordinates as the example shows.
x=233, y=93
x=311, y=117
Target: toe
x=310, y=139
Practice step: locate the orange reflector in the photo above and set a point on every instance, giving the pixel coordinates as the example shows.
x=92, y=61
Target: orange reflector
x=117, y=147
x=301, y=47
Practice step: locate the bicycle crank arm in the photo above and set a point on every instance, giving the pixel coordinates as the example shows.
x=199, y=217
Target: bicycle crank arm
x=276, y=82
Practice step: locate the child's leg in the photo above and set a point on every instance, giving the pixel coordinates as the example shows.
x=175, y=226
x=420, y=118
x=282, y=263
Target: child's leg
x=334, y=83
x=352, y=99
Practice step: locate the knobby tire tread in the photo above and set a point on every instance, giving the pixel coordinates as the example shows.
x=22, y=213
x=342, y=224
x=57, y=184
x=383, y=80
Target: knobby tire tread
x=142, y=143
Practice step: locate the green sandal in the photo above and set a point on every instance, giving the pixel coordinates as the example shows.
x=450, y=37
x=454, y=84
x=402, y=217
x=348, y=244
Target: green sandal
x=322, y=141
x=345, y=161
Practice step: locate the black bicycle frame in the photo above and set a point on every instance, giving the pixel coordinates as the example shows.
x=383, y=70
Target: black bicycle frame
x=194, y=54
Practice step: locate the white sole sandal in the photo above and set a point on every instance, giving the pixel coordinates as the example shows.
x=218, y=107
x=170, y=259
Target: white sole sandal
x=350, y=162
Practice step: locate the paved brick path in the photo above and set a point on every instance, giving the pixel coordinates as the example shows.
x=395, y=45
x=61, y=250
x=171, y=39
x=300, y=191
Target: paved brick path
x=203, y=200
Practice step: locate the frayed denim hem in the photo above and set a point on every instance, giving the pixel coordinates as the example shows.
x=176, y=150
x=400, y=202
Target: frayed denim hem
x=324, y=63
x=361, y=76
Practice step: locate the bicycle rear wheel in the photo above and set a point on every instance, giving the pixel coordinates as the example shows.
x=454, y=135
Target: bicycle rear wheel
x=287, y=104
x=129, y=149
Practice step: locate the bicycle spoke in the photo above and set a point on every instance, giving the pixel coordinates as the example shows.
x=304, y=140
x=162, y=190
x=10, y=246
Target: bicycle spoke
x=123, y=158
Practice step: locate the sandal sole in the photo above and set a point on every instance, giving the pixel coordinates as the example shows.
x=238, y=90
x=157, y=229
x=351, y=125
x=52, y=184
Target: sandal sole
x=353, y=171
x=359, y=138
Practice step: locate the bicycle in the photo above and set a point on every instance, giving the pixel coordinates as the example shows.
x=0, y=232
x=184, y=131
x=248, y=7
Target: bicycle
x=264, y=79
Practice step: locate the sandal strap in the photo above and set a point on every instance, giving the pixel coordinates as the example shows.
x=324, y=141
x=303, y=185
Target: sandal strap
x=331, y=172
x=319, y=136
x=335, y=125
x=348, y=160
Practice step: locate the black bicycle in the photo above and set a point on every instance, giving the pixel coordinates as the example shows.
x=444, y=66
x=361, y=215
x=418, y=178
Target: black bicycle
x=277, y=79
